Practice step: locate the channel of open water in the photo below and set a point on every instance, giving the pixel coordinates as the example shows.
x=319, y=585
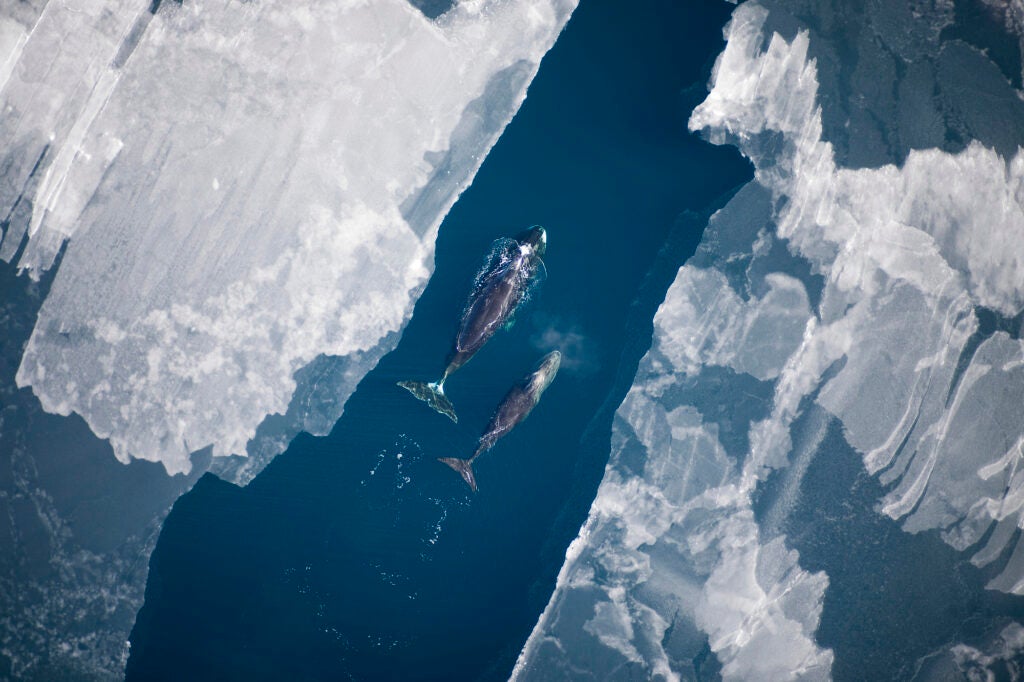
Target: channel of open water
x=357, y=555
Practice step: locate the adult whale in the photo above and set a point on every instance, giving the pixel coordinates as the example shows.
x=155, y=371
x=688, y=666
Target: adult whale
x=499, y=288
x=514, y=408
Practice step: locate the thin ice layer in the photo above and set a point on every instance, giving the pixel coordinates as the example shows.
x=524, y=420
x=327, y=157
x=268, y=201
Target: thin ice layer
x=909, y=254
x=713, y=325
x=671, y=558
x=246, y=186
x=902, y=258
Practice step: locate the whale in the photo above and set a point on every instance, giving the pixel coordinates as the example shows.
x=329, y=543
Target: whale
x=514, y=408
x=512, y=268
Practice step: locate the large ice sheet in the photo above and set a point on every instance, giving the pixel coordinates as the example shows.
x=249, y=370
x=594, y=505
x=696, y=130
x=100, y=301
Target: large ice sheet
x=246, y=186
x=905, y=261
x=251, y=191
x=910, y=254
x=671, y=558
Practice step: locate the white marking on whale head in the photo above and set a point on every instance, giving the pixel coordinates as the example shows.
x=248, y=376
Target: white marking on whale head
x=546, y=372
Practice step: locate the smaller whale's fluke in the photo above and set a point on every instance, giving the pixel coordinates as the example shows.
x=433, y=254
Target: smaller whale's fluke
x=514, y=408
x=432, y=394
x=464, y=467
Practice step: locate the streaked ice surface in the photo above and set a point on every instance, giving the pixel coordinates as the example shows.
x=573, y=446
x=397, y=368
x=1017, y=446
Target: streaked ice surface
x=822, y=291
x=671, y=559
x=243, y=187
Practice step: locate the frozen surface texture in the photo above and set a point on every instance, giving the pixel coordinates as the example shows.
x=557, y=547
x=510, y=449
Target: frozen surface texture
x=672, y=563
x=910, y=255
x=836, y=286
x=246, y=195
x=242, y=187
x=76, y=525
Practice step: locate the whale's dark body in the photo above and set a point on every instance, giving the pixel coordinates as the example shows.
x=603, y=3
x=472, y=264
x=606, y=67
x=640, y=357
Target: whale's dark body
x=498, y=291
x=514, y=408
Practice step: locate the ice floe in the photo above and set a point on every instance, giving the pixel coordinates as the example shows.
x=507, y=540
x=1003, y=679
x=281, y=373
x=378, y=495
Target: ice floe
x=904, y=262
x=242, y=187
x=910, y=255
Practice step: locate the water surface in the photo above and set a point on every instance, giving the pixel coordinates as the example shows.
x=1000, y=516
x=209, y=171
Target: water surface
x=358, y=555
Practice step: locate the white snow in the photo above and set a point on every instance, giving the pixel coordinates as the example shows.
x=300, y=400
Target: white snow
x=241, y=187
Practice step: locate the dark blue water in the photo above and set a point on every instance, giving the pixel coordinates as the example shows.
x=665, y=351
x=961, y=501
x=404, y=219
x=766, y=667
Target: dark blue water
x=357, y=555
x=894, y=598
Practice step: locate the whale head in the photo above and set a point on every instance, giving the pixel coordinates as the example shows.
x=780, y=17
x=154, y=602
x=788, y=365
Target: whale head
x=536, y=238
x=546, y=371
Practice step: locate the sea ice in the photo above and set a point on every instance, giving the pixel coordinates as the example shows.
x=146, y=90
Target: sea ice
x=903, y=261
x=247, y=194
x=910, y=255
x=241, y=187
x=671, y=544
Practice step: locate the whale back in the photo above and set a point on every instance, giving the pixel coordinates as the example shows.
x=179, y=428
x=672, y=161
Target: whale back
x=498, y=290
x=514, y=408
x=487, y=313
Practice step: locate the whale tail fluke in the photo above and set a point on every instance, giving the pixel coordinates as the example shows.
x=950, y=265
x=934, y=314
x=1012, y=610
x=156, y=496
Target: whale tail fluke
x=464, y=467
x=432, y=394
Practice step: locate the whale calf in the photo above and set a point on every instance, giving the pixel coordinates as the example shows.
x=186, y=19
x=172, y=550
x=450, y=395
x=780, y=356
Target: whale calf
x=514, y=408
x=514, y=265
